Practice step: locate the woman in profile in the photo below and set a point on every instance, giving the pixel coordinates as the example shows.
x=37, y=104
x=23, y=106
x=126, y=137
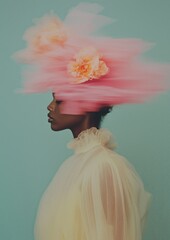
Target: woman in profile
x=96, y=194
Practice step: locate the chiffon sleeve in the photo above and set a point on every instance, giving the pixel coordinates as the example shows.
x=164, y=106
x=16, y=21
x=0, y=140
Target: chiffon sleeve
x=114, y=202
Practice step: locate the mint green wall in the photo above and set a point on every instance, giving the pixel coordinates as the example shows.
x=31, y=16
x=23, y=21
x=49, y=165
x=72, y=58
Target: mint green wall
x=30, y=153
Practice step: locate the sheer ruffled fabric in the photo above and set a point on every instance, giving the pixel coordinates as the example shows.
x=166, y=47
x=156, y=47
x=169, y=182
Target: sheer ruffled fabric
x=95, y=195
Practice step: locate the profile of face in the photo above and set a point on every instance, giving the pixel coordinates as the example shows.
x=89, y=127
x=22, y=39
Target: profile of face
x=61, y=121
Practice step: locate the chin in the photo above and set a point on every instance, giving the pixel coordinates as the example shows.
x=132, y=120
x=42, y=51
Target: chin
x=56, y=128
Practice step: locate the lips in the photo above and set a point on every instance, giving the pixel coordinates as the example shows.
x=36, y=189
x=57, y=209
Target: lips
x=50, y=119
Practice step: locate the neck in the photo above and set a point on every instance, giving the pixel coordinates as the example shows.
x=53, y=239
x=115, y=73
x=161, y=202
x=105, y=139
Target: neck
x=78, y=129
x=87, y=122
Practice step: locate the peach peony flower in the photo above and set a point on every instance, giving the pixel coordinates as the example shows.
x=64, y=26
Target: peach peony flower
x=48, y=33
x=87, y=66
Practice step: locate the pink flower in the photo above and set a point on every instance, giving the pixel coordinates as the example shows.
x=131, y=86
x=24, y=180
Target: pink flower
x=47, y=34
x=87, y=65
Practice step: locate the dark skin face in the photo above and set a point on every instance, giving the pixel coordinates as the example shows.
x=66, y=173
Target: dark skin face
x=59, y=121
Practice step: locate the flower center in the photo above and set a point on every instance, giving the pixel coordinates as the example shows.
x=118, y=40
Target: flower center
x=87, y=65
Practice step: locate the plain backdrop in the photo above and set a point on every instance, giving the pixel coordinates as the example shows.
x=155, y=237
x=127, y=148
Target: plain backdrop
x=30, y=153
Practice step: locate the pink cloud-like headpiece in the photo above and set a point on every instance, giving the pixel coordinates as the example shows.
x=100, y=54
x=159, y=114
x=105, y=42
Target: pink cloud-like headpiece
x=87, y=72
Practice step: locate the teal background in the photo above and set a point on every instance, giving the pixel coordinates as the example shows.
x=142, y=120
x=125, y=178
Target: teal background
x=30, y=152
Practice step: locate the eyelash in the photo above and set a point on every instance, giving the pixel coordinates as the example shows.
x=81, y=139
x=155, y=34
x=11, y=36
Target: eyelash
x=58, y=102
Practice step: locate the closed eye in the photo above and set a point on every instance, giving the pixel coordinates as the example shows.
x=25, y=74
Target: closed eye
x=58, y=102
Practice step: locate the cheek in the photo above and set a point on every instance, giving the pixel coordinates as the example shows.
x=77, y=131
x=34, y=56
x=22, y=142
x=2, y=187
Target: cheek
x=73, y=120
x=67, y=122
x=57, y=125
x=60, y=122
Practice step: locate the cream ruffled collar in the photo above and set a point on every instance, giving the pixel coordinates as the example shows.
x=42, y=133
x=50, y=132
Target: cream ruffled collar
x=90, y=138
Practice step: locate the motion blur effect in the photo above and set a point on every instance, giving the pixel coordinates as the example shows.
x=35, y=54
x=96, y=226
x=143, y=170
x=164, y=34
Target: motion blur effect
x=68, y=59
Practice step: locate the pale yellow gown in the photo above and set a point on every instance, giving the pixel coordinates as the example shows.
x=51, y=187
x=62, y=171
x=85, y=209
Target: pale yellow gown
x=95, y=195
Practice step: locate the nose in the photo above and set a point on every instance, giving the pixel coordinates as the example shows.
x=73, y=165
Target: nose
x=51, y=106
